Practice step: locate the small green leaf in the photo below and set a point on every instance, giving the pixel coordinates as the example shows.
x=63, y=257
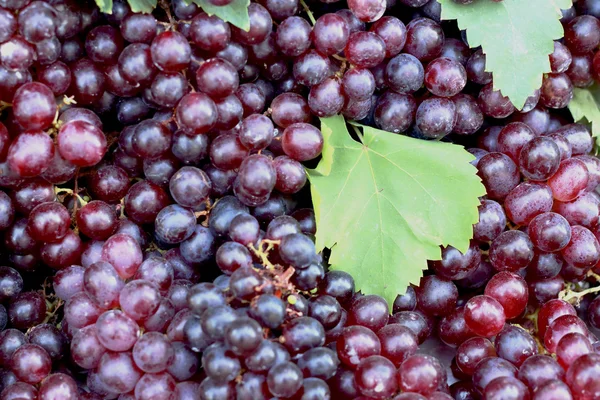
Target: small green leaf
x=236, y=13
x=384, y=206
x=105, y=6
x=142, y=6
x=516, y=36
x=584, y=107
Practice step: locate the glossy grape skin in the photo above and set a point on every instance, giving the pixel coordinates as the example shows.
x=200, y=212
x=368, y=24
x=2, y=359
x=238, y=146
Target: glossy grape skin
x=393, y=32
x=471, y=351
x=355, y=344
x=170, y=51
x=510, y=290
x=31, y=363
x=103, y=44
x=499, y=174
x=556, y=91
x=284, y=379
x=570, y=180
x=493, y=103
x=491, y=368
x=375, y=377
x=227, y=152
x=261, y=26
x=469, y=117
x=436, y=117
x=330, y=34
x=289, y=108
x=539, y=159
x=30, y=153
x=34, y=106
x=424, y=39
x=367, y=11
x=484, y=315
x=492, y=221
x=88, y=82
x=526, y=201
x=395, y=112
x=326, y=99
x=511, y=251
x=302, y=141
x=578, y=137
x=118, y=371
x=365, y=49
x=445, y=77
x=506, y=386
x=404, y=73
x=582, y=34
x=420, y=373
x=583, y=250
x=580, y=375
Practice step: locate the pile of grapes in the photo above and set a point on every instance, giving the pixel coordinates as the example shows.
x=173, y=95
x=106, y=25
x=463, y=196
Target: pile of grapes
x=158, y=235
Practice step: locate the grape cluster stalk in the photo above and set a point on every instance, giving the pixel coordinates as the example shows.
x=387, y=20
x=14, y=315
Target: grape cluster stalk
x=158, y=231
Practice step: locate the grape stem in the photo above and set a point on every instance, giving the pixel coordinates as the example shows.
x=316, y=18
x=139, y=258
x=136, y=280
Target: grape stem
x=568, y=294
x=311, y=17
x=263, y=253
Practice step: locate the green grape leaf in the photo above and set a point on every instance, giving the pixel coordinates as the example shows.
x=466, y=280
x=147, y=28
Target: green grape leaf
x=142, y=6
x=236, y=13
x=516, y=36
x=105, y=6
x=385, y=205
x=584, y=107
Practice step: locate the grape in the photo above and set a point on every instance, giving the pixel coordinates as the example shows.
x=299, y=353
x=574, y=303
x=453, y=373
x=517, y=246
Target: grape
x=293, y=36
x=445, y=77
x=578, y=137
x=436, y=117
x=420, y=373
x=311, y=68
x=138, y=28
x=284, y=379
x=393, y=32
x=556, y=91
x=375, y=377
x=365, y=49
x=526, y=201
x=357, y=343
x=116, y=331
x=261, y=25
x=469, y=117
x=580, y=71
x=103, y=44
x=510, y=290
x=484, y=315
x=30, y=363
x=327, y=98
x=118, y=371
x=196, y=113
x=155, y=386
x=494, y=104
x=499, y=174
x=511, y=251
x=583, y=250
x=506, y=386
x=404, y=73
x=492, y=221
x=302, y=141
x=395, y=112
x=424, y=39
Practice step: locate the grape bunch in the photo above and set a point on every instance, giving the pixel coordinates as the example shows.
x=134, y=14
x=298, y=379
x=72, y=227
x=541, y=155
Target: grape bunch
x=158, y=230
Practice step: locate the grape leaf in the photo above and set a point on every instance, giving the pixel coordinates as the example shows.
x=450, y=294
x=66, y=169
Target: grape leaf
x=384, y=206
x=515, y=35
x=142, y=6
x=236, y=13
x=584, y=107
x=105, y=6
